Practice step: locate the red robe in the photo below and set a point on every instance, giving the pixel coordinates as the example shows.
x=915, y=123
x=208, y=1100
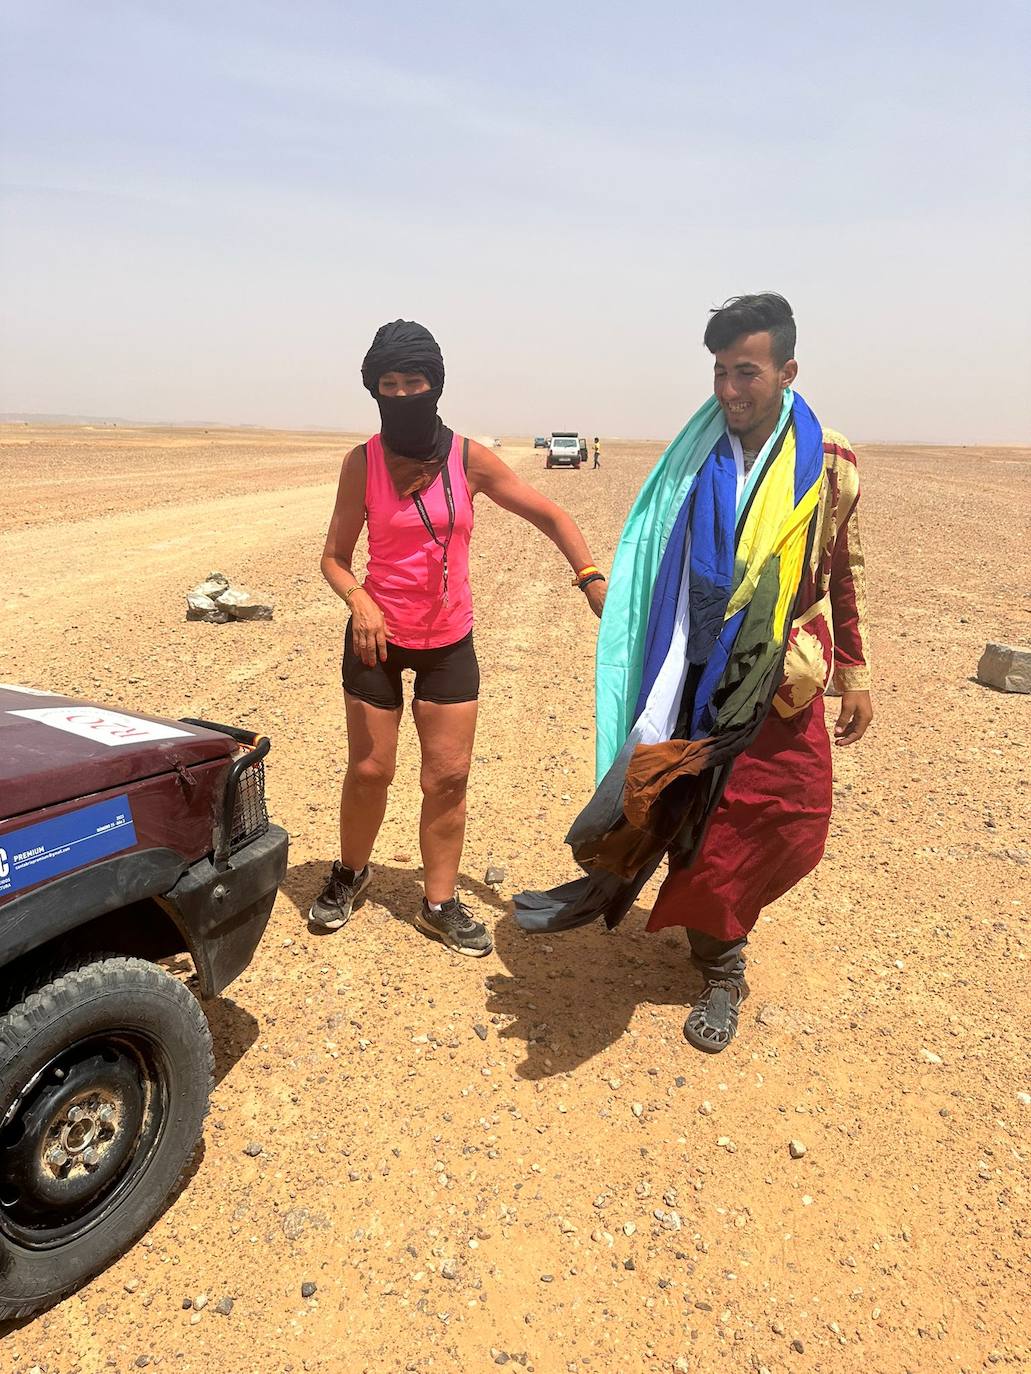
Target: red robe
x=770, y=827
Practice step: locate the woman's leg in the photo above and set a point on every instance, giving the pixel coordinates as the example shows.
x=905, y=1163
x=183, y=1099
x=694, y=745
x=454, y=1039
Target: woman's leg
x=371, y=759
x=446, y=734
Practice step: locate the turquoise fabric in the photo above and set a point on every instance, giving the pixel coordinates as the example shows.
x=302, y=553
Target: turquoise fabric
x=624, y=624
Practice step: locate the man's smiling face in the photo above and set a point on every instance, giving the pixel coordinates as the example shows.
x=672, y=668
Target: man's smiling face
x=749, y=385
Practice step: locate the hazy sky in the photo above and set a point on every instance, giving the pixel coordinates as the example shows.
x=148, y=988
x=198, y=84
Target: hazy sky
x=208, y=208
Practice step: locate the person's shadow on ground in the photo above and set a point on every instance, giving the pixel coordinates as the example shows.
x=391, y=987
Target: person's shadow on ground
x=567, y=997
x=570, y=996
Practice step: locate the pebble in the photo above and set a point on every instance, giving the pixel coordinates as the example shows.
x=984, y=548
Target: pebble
x=200, y=1302
x=681, y=1365
x=547, y=1278
x=629, y=1265
x=777, y=1328
x=132, y=1285
x=1024, y=1099
x=253, y=1148
x=309, y=1289
x=680, y=1081
x=706, y=1109
x=629, y=1228
x=637, y=1109
x=796, y=1149
x=930, y=1057
x=224, y=1306
x=798, y=1347
x=481, y=1031
x=449, y=1269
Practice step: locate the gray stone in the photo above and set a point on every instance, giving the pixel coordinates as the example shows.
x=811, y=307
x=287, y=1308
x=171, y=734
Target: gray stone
x=253, y=1148
x=494, y=876
x=308, y=1289
x=201, y=607
x=214, y=583
x=1005, y=667
x=224, y=1306
x=241, y=605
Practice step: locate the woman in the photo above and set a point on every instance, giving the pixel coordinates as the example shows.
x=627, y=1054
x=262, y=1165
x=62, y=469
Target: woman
x=414, y=483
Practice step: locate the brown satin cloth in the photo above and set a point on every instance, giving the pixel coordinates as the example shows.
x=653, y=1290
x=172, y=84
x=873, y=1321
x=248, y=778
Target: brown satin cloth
x=651, y=815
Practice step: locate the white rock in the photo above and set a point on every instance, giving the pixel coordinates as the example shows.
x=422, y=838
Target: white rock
x=796, y=1149
x=1005, y=667
x=1024, y=1099
x=929, y=1057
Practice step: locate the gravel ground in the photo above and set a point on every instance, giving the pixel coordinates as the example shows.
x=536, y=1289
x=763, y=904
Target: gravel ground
x=417, y=1162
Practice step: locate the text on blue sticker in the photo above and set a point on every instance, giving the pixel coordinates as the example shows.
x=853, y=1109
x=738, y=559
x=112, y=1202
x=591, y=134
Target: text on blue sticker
x=44, y=850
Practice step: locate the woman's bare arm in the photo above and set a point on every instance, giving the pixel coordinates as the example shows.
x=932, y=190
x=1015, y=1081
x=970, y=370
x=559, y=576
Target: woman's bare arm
x=367, y=624
x=487, y=473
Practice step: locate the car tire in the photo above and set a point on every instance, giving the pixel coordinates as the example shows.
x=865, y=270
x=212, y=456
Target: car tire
x=105, y=1074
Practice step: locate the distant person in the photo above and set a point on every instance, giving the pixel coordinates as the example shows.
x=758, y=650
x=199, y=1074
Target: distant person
x=414, y=484
x=597, y=453
x=738, y=588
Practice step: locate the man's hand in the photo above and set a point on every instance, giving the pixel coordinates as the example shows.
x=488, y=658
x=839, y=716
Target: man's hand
x=855, y=715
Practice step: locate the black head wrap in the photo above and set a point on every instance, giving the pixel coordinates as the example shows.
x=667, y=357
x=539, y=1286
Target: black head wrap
x=410, y=425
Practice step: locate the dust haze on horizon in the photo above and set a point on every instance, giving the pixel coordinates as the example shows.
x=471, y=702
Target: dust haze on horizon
x=207, y=211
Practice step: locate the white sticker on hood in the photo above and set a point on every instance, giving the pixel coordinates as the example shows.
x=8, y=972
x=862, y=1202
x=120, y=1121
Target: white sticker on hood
x=29, y=691
x=106, y=727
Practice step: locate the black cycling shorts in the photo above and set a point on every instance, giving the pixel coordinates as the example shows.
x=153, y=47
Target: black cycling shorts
x=445, y=676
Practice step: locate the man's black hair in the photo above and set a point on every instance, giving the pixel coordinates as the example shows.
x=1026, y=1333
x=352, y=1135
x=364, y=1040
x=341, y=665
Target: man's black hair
x=752, y=315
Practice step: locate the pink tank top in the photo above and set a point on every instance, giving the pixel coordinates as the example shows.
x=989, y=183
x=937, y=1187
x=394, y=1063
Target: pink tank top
x=405, y=573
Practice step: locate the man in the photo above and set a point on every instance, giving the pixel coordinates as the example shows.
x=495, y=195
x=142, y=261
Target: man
x=597, y=453
x=737, y=589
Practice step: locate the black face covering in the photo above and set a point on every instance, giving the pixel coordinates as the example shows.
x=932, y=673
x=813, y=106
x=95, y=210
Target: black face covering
x=410, y=425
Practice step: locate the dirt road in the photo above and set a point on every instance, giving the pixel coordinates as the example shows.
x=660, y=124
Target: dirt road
x=518, y=1160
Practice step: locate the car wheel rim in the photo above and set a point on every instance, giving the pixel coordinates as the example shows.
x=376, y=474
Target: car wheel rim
x=78, y=1137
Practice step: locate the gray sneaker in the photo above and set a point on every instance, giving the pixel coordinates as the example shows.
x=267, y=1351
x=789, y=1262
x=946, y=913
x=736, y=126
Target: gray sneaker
x=342, y=894
x=455, y=924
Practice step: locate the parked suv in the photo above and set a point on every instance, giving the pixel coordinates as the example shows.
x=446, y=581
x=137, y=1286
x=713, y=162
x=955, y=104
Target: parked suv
x=124, y=839
x=563, y=450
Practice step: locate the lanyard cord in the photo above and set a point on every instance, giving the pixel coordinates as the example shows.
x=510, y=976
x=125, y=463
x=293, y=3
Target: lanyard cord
x=445, y=477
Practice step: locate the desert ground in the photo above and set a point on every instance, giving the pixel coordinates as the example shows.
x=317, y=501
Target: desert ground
x=518, y=1160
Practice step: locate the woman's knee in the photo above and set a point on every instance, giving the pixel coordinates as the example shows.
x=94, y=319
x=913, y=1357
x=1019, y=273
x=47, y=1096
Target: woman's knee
x=371, y=772
x=450, y=781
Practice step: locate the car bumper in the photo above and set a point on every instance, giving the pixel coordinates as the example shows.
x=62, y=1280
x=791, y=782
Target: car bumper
x=224, y=911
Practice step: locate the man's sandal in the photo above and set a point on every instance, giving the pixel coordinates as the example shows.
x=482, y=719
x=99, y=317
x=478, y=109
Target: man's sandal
x=712, y=1023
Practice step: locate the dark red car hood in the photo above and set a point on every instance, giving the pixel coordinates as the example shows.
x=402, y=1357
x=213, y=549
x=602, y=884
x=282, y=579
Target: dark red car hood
x=73, y=748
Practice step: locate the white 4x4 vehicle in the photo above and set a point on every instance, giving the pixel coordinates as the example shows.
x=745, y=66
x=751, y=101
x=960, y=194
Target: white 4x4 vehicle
x=564, y=451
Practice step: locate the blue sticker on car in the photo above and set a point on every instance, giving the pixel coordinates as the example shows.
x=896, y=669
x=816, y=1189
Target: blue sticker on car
x=48, y=848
